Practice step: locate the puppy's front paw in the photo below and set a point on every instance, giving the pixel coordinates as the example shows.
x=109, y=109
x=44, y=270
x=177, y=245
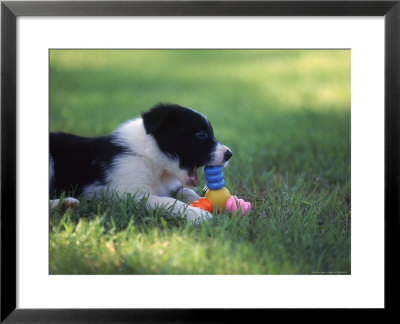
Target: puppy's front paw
x=67, y=202
x=197, y=215
x=70, y=202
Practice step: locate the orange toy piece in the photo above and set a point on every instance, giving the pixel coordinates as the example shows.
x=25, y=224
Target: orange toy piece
x=203, y=203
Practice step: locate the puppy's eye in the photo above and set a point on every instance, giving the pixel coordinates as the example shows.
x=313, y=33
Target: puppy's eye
x=201, y=134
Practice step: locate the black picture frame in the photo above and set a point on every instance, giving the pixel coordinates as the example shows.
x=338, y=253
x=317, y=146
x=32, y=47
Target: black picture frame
x=10, y=10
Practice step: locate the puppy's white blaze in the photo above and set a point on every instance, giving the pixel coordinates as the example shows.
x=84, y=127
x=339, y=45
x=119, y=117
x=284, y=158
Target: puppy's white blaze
x=219, y=155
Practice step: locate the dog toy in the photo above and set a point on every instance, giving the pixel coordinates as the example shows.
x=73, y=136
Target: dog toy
x=234, y=203
x=219, y=196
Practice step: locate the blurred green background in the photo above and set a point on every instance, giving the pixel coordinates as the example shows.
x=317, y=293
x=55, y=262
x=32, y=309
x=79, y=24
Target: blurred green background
x=284, y=113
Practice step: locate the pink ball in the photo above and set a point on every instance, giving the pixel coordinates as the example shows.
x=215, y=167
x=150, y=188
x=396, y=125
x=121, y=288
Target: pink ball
x=233, y=203
x=246, y=207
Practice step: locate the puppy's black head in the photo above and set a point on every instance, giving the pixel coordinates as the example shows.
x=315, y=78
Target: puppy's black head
x=185, y=134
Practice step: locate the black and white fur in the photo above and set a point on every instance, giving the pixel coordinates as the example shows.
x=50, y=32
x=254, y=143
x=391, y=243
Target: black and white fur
x=152, y=155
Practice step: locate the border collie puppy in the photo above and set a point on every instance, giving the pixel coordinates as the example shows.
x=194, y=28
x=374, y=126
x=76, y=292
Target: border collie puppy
x=149, y=156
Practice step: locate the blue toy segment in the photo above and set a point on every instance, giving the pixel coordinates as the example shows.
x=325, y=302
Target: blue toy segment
x=215, y=177
x=216, y=185
x=212, y=170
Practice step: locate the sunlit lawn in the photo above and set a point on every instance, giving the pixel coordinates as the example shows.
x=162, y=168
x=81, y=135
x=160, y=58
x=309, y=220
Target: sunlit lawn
x=286, y=116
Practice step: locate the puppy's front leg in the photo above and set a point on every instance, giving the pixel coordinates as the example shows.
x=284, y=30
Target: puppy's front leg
x=177, y=208
x=187, y=195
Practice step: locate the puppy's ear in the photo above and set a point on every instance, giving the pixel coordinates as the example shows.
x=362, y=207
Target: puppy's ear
x=152, y=120
x=157, y=118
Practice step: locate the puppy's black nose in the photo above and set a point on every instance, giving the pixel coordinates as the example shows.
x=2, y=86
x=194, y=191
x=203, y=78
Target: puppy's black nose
x=227, y=155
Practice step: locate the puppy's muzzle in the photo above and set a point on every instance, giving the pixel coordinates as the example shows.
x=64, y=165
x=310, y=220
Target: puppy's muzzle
x=221, y=155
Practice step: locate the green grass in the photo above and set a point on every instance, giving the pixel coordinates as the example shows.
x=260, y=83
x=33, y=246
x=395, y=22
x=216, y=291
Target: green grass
x=286, y=116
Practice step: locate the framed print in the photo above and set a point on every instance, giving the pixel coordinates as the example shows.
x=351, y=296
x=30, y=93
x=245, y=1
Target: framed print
x=303, y=102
